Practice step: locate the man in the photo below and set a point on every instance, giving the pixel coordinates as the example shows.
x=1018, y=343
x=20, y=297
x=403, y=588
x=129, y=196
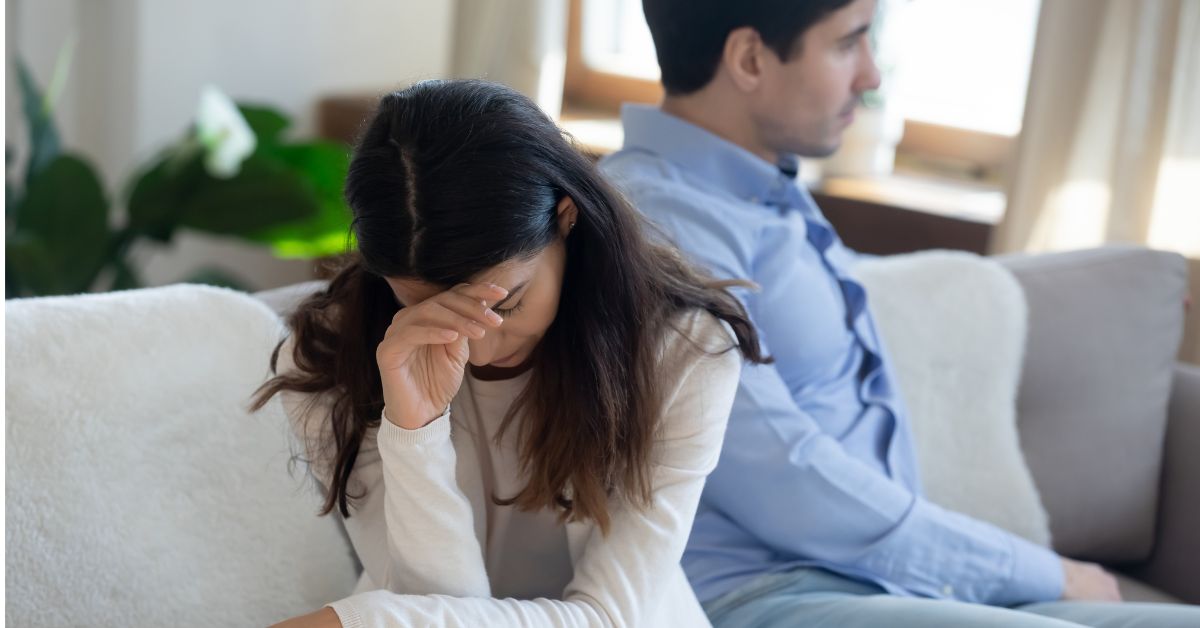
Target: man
x=814, y=515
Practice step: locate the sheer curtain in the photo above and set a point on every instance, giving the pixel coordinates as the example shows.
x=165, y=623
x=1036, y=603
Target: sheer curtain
x=521, y=43
x=1110, y=143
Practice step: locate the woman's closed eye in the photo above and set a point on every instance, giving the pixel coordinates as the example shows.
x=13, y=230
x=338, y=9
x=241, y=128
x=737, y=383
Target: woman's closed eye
x=506, y=312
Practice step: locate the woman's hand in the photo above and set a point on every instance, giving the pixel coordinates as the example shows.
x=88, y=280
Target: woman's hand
x=324, y=618
x=424, y=351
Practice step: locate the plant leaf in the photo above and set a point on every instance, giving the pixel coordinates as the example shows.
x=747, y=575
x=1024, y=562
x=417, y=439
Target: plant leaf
x=267, y=124
x=156, y=199
x=262, y=195
x=44, y=144
x=64, y=221
x=323, y=165
x=29, y=270
x=10, y=188
x=125, y=278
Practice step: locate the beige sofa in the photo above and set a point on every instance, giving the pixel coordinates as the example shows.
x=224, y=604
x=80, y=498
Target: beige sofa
x=140, y=492
x=1109, y=421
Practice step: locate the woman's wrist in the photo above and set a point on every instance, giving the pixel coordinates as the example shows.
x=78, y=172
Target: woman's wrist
x=401, y=422
x=324, y=618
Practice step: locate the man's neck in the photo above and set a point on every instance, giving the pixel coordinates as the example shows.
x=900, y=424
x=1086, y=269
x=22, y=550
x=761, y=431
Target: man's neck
x=721, y=117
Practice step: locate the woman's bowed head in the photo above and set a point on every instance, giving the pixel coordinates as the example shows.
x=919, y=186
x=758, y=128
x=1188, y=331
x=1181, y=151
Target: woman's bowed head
x=489, y=246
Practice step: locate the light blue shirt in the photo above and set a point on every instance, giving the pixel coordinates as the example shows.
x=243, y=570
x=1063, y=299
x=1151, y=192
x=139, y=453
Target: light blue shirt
x=818, y=466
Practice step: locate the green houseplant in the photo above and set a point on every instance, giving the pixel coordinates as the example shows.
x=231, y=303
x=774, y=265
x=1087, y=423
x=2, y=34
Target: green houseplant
x=231, y=174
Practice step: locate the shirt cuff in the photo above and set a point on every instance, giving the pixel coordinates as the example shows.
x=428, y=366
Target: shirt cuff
x=347, y=612
x=435, y=431
x=1037, y=575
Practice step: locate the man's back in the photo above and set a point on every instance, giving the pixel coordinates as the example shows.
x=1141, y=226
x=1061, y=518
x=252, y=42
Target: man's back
x=818, y=467
x=815, y=508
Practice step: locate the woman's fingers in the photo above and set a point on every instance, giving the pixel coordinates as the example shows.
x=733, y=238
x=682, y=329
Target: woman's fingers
x=489, y=292
x=439, y=315
x=463, y=308
x=472, y=306
x=429, y=335
x=410, y=337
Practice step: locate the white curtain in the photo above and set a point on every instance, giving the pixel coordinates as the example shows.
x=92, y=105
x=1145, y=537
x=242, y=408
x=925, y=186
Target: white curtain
x=1110, y=143
x=521, y=43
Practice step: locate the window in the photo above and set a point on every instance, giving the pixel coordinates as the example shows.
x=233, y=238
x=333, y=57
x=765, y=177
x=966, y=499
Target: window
x=982, y=89
x=961, y=71
x=610, y=56
x=617, y=39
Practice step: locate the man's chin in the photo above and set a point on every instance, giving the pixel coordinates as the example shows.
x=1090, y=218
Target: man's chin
x=819, y=151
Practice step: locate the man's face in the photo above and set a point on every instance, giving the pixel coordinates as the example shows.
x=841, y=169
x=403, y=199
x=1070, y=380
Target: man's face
x=808, y=101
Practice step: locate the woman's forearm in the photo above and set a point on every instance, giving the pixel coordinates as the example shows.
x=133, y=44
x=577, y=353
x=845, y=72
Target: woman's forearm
x=430, y=523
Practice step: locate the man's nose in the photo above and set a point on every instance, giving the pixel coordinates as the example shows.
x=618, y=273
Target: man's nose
x=868, y=75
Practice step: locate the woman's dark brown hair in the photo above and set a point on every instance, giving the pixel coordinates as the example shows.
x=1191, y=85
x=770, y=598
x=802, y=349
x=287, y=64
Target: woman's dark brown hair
x=450, y=179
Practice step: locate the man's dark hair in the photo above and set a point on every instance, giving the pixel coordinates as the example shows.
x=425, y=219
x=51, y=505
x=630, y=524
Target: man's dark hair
x=689, y=35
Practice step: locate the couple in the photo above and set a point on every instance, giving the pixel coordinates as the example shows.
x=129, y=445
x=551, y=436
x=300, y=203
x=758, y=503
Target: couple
x=517, y=396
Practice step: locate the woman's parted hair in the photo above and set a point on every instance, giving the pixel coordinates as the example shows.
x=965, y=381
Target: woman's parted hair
x=450, y=179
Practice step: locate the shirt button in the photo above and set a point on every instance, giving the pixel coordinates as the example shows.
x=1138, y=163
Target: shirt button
x=948, y=591
x=754, y=199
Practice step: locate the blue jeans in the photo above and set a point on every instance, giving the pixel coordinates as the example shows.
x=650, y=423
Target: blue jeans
x=815, y=597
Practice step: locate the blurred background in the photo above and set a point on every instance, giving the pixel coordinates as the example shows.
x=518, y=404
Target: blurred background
x=156, y=141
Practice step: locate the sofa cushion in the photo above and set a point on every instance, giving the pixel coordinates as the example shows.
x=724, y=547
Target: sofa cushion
x=140, y=491
x=1104, y=328
x=285, y=299
x=1134, y=590
x=954, y=326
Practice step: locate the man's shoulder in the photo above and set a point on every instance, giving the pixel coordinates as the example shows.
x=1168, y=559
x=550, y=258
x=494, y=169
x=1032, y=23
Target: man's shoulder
x=660, y=189
x=636, y=166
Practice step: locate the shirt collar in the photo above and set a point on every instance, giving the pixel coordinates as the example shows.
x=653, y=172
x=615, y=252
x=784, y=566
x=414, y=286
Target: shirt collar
x=708, y=156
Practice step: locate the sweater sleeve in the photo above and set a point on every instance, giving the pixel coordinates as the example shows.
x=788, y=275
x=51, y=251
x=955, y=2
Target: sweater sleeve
x=616, y=575
x=431, y=540
x=408, y=500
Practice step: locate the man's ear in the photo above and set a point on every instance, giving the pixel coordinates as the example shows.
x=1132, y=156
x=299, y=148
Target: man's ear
x=568, y=215
x=742, y=58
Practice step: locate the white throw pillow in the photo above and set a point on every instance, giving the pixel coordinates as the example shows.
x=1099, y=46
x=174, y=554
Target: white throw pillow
x=140, y=491
x=954, y=326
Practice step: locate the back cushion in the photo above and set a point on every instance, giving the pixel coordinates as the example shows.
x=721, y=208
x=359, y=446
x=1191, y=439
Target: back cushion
x=954, y=327
x=1104, y=328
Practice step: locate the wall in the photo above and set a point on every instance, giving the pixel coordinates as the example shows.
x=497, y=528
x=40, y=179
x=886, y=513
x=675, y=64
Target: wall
x=140, y=64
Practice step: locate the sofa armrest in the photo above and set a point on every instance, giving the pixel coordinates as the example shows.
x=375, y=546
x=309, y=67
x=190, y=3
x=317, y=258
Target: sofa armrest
x=1174, y=565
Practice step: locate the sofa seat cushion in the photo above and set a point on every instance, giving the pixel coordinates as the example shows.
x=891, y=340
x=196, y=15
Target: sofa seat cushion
x=1134, y=590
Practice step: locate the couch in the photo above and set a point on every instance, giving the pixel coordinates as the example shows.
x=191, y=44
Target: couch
x=140, y=491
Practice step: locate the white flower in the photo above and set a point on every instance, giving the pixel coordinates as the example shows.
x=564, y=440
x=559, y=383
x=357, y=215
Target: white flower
x=223, y=132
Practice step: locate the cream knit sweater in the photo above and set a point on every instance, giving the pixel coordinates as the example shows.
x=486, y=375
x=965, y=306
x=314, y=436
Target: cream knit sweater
x=436, y=550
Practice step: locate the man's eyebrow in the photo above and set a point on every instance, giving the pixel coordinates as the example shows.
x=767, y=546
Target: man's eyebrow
x=511, y=294
x=856, y=33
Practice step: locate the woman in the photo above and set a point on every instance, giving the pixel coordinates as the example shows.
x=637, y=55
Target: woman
x=510, y=395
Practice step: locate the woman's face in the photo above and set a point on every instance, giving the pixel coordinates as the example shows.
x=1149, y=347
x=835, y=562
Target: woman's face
x=534, y=285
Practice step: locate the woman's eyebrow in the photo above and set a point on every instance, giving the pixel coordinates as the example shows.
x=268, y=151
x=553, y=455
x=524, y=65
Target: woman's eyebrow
x=511, y=294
